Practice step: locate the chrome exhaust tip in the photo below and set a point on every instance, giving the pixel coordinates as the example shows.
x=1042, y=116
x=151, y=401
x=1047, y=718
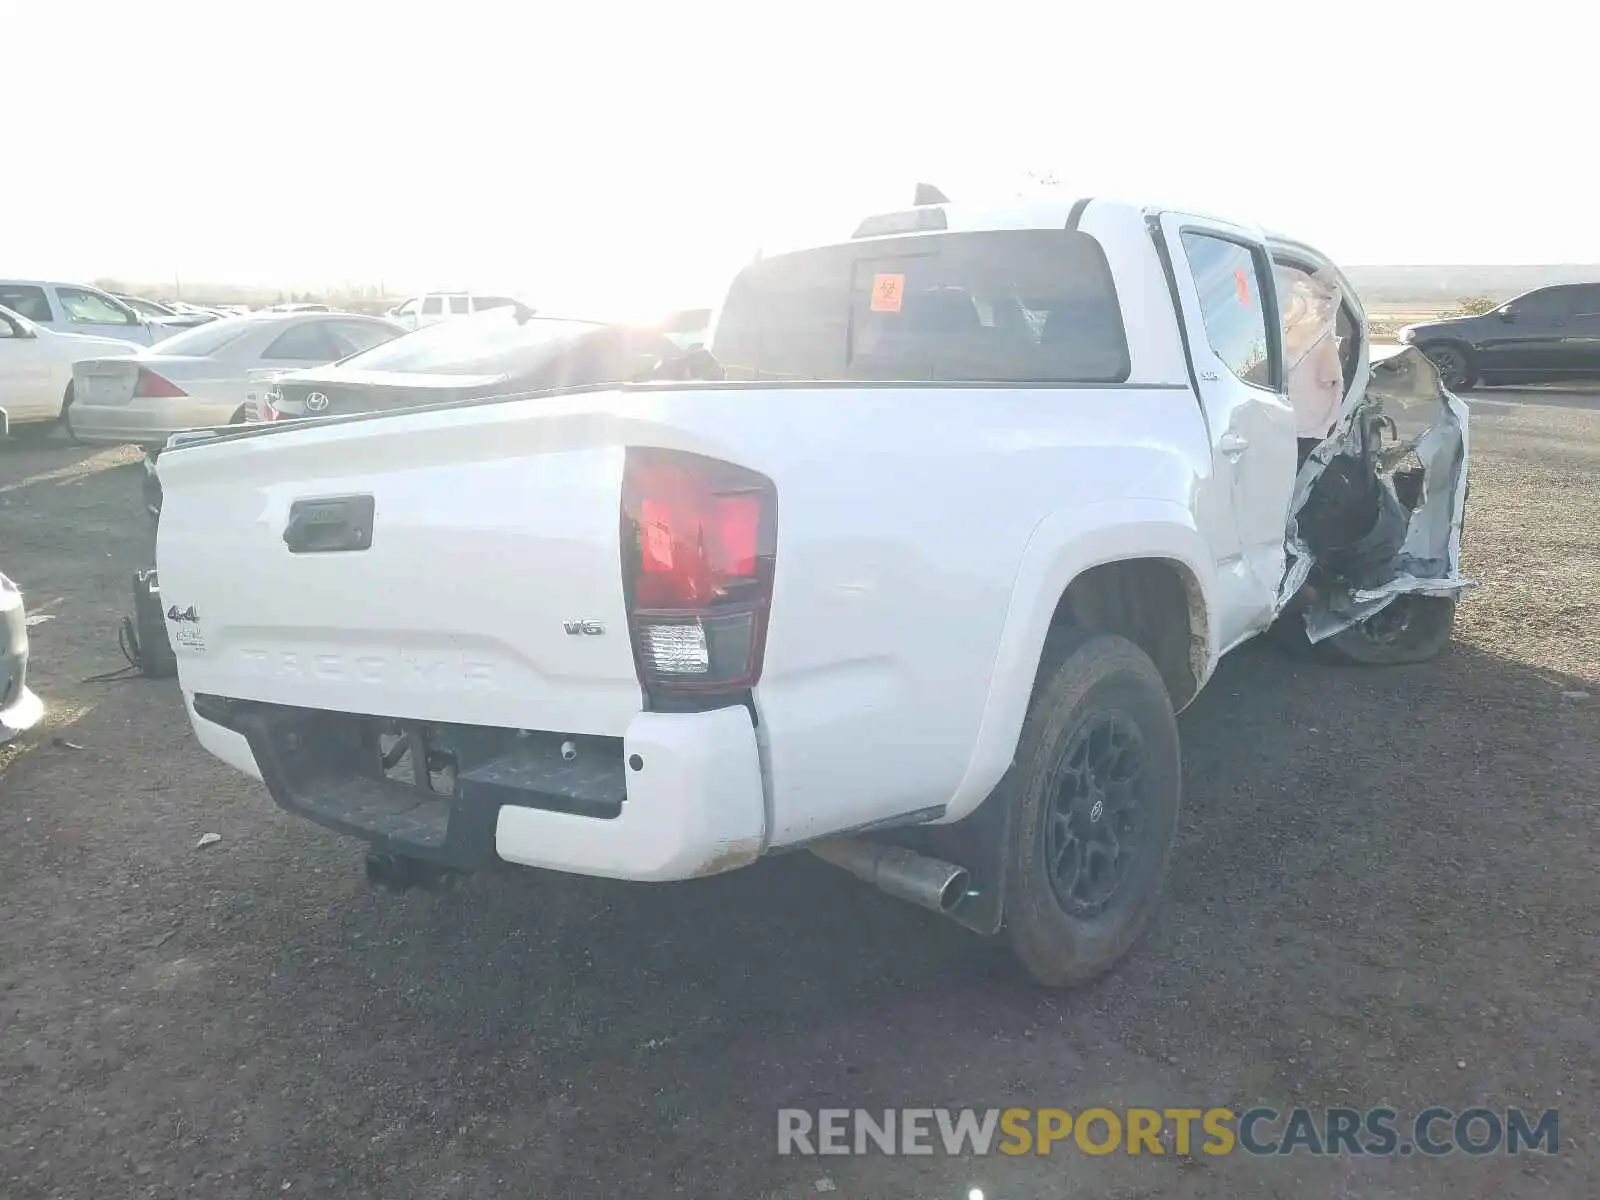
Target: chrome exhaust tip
x=926, y=882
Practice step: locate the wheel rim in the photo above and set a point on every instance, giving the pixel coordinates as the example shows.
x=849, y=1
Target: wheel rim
x=1094, y=818
x=1451, y=366
x=1390, y=623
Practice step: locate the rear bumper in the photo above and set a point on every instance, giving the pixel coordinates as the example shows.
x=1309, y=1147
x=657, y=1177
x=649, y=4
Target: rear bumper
x=144, y=423
x=679, y=797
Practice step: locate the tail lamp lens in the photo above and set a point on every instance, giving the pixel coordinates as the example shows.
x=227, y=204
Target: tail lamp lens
x=698, y=547
x=151, y=386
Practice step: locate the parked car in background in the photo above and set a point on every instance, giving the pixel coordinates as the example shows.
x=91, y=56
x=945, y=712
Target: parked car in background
x=20, y=709
x=205, y=376
x=154, y=310
x=36, y=371
x=1551, y=333
x=434, y=307
x=74, y=308
x=492, y=354
x=298, y=306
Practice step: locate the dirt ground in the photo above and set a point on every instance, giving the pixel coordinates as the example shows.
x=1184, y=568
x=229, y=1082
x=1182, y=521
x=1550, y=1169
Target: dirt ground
x=1384, y=894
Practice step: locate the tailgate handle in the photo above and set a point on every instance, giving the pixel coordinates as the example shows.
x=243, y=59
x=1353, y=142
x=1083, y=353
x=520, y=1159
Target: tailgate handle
x=329, y=525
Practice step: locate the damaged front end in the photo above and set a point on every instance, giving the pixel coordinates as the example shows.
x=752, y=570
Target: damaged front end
x=1378, y=505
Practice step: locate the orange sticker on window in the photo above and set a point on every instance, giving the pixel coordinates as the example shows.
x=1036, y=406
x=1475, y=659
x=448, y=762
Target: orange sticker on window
x=1241, y=287
x=887, y=292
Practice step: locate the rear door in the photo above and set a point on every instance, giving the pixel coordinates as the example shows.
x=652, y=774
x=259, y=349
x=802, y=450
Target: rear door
x=1529, y=335
x=1583, y=340
x=1229, y=309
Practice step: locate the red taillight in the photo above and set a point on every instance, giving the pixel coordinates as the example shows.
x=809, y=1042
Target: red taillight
x=698, y=546
x=155, y=387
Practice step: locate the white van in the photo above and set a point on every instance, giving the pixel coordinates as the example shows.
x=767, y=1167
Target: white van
x=433, y=307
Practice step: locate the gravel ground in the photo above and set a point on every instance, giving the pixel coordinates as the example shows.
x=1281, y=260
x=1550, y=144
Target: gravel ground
x=1384, y=894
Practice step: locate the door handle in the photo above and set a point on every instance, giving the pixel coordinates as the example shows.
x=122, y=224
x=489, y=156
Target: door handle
x=1233, y=445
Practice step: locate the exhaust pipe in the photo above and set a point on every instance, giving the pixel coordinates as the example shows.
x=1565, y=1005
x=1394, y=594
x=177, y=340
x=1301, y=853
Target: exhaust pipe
x=905, y=874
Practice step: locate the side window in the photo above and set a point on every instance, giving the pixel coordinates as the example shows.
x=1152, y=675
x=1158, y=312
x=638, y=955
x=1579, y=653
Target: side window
x=356, y=336
x=308, y=342
x=484, y=303
x=432, y=306
x=1228, y=277
x=27, y=302
x=91, y=308
x=1547, y=304
x=1586, y=300
x=458, y=304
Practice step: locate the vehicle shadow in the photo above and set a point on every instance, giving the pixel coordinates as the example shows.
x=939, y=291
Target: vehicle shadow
x=1339, y=832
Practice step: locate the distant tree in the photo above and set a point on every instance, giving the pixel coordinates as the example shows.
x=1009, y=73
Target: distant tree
x=1473, y=306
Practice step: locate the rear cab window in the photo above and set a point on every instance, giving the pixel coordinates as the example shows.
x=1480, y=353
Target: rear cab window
x=1001, y=306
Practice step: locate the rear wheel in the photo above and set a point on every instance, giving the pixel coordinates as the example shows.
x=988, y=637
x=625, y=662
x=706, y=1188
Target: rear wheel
x=1454, y=366
x=1094, y=795
x=1410, y=629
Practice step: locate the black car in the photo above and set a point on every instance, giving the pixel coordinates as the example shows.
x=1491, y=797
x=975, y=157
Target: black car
x=1552, y=333
x=502, y=352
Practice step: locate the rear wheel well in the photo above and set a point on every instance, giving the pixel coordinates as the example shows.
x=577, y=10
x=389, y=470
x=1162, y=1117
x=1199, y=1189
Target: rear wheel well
x=1156, y=604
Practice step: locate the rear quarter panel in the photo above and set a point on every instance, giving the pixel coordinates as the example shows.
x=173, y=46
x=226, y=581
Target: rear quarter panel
x=925, y=535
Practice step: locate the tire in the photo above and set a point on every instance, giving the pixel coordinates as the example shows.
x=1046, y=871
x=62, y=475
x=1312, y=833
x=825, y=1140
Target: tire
x=1095, y=693
x=1411, y=629
x=1454, y=365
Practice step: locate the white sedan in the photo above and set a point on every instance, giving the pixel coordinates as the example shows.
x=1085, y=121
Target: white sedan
x=209, y=375
x=36, y=371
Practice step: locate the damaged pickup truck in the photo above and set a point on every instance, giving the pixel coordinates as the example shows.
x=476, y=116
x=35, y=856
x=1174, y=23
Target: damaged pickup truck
x=979, y=500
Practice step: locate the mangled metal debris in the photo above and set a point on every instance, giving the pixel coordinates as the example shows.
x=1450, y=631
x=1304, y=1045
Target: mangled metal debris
x=1379, y=502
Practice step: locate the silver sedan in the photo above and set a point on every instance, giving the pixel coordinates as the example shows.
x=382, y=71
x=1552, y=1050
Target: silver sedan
x=209, y=375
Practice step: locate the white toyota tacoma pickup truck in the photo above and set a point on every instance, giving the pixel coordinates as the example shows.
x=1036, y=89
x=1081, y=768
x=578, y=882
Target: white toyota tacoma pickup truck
x=975, y=504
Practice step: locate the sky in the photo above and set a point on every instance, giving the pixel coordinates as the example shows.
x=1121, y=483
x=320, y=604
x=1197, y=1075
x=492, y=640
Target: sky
x=624, y=158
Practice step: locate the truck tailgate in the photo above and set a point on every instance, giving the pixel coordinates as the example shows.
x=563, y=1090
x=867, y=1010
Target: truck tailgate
x=485, y=589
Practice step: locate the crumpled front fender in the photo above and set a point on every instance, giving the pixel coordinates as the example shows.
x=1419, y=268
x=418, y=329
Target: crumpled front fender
x=1378, y=504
